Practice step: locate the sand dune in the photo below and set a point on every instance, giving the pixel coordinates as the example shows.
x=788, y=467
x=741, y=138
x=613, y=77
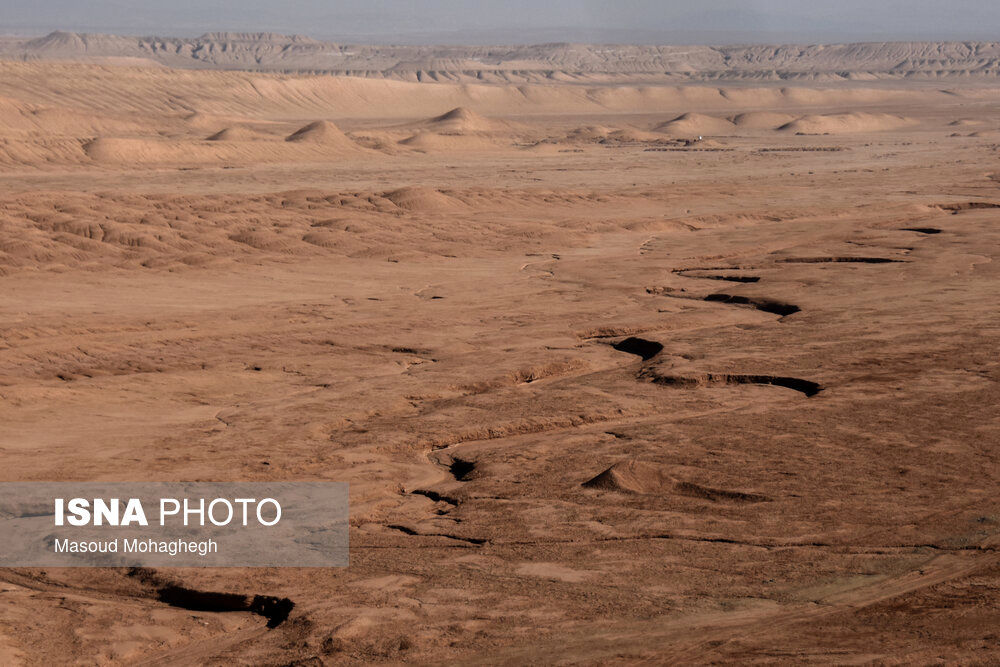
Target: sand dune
x=762, y=120
x=693, y=124
x=846, y=122
x=316, y=141
x=20, y=118
x=119, y=116
x=322, y=132
x=237, y=133
x=432, y=141
x=423, y=199
x=461, y=120
x=112, y=150
x=460, y=129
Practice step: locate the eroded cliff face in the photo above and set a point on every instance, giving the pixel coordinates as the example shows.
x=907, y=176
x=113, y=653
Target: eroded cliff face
x=557, y=62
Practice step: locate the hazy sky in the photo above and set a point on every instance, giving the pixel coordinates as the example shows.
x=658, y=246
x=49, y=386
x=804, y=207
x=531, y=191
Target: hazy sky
x=478, y=21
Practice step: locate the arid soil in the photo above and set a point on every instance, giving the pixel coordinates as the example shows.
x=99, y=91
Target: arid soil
x=603, y=392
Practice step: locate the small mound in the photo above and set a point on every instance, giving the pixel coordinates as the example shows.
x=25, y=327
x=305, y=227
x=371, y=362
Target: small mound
x=461, y=119
x=632, y=476
x=964, y=122
x=235, y=133
x=844, y=123
x=323, y=239
x=376, y=140
x=762, y=120
x=589, y=133
x=629, y=135
x=432, y=141
x=463, y=122
x=423, y=199
x=324, y=133
x=639, y=477
x=695, y=124
x=110, y=150
x=460, y=114
x=262, y=240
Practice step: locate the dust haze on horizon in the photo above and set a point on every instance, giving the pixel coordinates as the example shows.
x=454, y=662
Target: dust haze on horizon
x=522, y=21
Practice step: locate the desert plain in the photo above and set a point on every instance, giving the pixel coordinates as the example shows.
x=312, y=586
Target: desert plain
x=621, y=366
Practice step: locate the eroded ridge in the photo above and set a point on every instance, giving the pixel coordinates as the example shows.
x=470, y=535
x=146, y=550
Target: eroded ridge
x=956, y=208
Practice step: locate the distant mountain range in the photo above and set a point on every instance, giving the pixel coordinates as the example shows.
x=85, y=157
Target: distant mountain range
x=560, y=62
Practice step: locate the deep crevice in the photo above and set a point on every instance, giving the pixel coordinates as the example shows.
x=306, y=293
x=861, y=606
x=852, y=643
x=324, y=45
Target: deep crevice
x=731, y=279
x=824, y=260
x=461, y=469
x=921, y=230
x=646, y=349
x=728, y=277
x=767, y=305
x=478, y=541
x=806, y=387
x=409, y=531
x=435, y=496
x=274, y=609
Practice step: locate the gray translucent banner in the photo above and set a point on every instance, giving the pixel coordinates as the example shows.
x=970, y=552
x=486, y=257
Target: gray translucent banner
x=136, y=524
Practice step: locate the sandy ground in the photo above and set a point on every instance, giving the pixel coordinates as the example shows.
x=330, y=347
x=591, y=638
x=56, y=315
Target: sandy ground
x=602, y=394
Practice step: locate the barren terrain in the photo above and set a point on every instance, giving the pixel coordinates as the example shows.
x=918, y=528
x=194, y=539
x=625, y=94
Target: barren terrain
x=603, y=390
x=546, y=63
